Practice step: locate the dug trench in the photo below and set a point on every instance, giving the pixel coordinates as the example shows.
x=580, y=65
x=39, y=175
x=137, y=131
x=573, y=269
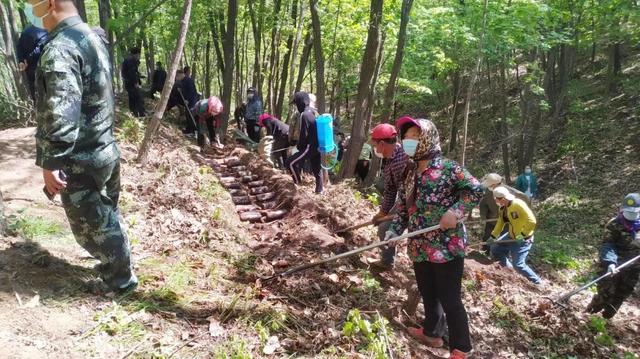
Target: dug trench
x=292, y=226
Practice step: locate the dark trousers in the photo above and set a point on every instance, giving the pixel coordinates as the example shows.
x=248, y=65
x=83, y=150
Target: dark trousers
x=253, y=130
x=189, y=122
x=211, y=131
x=613, y=291
x=136, y=104
x=440, y=287
x=296, y=161
x=91, y=204
x=362, y=169
x=279, y=154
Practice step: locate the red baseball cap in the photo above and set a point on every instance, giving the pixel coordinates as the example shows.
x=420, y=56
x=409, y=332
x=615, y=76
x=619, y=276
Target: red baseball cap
x=405, y=120
x=263, y=117
x=383, y=131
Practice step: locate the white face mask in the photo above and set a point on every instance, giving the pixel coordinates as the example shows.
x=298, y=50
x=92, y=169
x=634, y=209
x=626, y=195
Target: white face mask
x=33, y=19
x=378, y=154
x=631, y=215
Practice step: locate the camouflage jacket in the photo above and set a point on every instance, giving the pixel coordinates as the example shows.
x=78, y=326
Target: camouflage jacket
x=620, y=242
x=75, y=101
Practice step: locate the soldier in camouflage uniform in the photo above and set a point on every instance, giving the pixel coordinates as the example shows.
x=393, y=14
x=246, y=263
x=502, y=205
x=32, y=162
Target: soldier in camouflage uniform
x=621, y=243
x=75, y=114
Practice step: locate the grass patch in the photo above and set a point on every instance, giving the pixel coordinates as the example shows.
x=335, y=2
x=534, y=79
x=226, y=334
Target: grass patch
x=234, y=348
x=506, y=317
x=245, y=263
x=371, y=337
x=131, y=130
x=210, y=189
x=115, y=320
x=30, y=227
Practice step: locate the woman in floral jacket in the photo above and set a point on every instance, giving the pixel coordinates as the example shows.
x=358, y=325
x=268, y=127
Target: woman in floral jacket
x=436, y=191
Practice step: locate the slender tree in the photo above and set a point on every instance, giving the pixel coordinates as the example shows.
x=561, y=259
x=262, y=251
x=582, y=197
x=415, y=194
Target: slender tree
x=158, y=112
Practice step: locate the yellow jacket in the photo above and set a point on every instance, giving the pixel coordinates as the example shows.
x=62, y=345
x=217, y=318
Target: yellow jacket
x=519, y=216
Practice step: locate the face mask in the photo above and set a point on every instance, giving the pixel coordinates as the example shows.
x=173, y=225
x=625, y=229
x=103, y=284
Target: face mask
x=527, y=171
x=34, y=20
x=631, y=216
x=249, y=96
x=409, y=147
x=378, y=154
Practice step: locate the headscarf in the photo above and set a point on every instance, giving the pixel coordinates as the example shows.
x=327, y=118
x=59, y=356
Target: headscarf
x=632, y=226
x=428, y=148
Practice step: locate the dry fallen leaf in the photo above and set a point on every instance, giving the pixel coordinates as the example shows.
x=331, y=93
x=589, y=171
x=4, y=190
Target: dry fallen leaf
x=334, y=278
x=215, y=329
x=272, y=345
x=34, y=302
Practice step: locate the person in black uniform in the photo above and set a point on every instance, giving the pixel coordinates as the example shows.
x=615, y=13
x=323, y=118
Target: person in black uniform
x=132, y=80
x=157, y=80
x=307, y=142
x=30, y=45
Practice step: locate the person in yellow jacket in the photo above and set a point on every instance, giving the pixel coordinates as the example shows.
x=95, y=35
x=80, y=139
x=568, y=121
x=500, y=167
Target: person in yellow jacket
x=522, y=224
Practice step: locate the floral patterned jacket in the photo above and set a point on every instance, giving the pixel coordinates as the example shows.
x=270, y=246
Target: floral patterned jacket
x=443, y=185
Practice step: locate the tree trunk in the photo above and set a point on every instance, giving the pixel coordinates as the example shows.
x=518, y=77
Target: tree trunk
x=365, y=87
x=319, y=60
x=143, y=152
x=504, y=124
x=257, y=29
x=614, y=66
x=82, y=10
x=390, y=90
x=207, y=68
x=275, y=35
x=104, y=12
x=294, y=50
x=227, y=78
x=456, y=92
x=10, y=57
x=285, y=64
x=304, y=59
x=375, y=161
x=472, y=81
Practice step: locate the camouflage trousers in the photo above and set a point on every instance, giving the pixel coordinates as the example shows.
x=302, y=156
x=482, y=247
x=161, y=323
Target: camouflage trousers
x=614, y=290
x=91, y=203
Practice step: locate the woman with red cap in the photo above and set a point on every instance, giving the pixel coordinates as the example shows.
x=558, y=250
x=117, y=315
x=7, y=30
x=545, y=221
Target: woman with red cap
x=384, y=139
x=435, y=191
x=207, y=112
x=280, y=133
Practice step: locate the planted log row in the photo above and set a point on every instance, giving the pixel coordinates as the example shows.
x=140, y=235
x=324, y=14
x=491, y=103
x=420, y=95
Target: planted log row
x=256, y=184
x=238, y=180
x=241, y=200
x=258, y=190
x=246, y=208
x=237, y=192
x=247, y=179
x=277, y=214
x=251, y=216
x=265, y=196
x=268, y=205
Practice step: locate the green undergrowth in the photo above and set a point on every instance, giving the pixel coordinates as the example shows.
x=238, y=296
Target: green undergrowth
x=371, y=335
x=33, y=227
x=131, y=129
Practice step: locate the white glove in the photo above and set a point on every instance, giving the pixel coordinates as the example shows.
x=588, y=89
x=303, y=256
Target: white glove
x=390, y=234
x=612, y=269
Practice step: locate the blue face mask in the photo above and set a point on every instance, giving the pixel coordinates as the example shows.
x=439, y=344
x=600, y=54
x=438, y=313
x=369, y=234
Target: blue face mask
x=409, y=147
x=34, y=20
x=527, y=171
